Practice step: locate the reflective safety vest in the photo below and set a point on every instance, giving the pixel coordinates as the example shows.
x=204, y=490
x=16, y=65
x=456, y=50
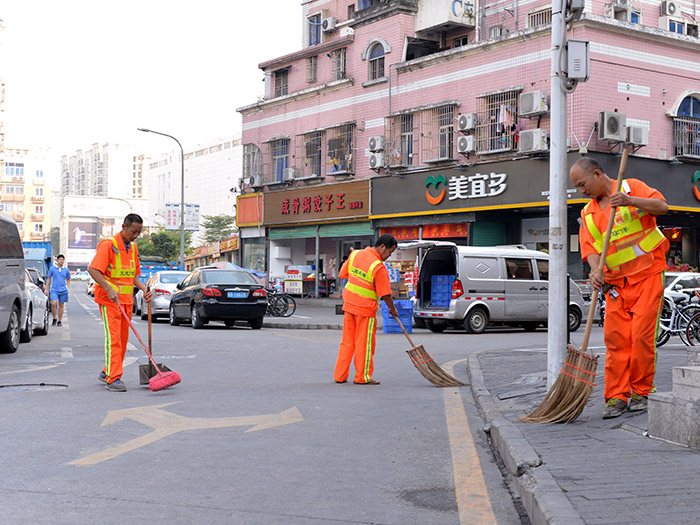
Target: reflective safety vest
x=120, y=275
x=634, y=236
x=361, y=267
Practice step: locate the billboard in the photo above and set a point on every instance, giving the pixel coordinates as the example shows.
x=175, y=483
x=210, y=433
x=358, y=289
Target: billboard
x=172, y=217
x=83, y=234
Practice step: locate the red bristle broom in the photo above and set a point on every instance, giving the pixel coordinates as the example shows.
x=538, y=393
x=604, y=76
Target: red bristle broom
x=162, y=379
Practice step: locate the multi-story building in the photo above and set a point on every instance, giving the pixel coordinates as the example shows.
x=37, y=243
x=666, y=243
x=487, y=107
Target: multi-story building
x=430, y=119
x=212, y=172
x=24, y=193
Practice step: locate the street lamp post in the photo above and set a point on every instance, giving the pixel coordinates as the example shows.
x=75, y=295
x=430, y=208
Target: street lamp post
x=182, y=193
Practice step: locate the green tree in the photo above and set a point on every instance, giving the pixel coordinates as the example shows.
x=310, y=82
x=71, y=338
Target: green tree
x=218, y=227
x=163, y=244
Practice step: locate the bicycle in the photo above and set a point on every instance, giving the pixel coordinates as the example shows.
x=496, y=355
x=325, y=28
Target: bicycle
x=675, y=319
x=280, y=304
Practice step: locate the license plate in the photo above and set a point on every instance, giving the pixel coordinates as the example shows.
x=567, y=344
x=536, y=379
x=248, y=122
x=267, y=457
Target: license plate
x=237, y=295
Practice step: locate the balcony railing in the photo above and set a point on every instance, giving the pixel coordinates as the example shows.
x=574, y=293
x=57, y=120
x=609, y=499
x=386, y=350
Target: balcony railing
x=37, y=216
x=36, y=236
x=37, y=198
x=17, y=215
x=12, y=197
x=686, y=137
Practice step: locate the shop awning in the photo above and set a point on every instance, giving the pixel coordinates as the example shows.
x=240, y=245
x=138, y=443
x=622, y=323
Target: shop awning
x=346, y=229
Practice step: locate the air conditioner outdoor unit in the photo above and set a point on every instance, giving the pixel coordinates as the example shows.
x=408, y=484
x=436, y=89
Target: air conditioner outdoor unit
x=289, y=174
x=612, y=126
x=376, y=143
x=256, y=182
x=376, y=160
x=533, y=103
x=466, y=122
x=638, y=135
x=532, y=141
x=328, y=24
x=670, y=8
x=465, y=144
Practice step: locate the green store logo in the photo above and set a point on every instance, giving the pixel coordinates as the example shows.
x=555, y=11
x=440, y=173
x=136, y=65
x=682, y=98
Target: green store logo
x=435, y=183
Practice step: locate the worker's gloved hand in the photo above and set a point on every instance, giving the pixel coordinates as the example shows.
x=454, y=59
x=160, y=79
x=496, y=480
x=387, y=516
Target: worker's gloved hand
x=148, y=295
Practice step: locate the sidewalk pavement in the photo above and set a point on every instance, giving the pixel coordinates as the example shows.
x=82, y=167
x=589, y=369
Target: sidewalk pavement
x=591, y=471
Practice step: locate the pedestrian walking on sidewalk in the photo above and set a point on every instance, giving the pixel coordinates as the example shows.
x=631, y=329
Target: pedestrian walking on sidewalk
x=114, y=269
x=367, y=282
x=57, y=283
x=632, y=279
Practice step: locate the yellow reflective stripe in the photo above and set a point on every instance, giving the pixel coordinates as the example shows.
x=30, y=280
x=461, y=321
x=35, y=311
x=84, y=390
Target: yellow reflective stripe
x=121, y=274
x=646, y=245
x=108, y=339
x=368, y=350
x=620, y=257
x=626, y=228
x=359, y=274
x=372, y=267
x=120, y=288
x=652, y=240
x=362, y=291
x=595, y=233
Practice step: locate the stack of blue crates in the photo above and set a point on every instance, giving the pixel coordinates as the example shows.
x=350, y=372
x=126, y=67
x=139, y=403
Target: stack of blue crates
x=441, y=290
x=405, y=309
x=394, y=274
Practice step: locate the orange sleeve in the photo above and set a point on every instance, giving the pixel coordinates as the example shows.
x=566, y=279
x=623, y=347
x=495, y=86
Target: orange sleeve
x=138, y=263
x=382, y=285
x=343, y=274
x=641, y=189
x=103, y=256
x=585, y=240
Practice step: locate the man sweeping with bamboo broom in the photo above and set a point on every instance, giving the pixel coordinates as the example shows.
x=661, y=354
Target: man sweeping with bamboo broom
x=632, y=279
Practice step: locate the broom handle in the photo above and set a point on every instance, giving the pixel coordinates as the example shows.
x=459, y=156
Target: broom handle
x=133, y=329
x=404, y=330
x=604, y=254
x=150, y=337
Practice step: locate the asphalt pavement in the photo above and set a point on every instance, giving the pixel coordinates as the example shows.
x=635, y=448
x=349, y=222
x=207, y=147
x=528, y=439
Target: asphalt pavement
x=591, y=471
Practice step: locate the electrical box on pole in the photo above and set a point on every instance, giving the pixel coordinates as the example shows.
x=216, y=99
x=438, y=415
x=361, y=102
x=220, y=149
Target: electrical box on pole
x=578, y=60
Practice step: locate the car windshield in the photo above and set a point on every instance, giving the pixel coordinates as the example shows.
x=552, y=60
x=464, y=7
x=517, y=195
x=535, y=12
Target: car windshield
x=172, y=278
x=227, y=277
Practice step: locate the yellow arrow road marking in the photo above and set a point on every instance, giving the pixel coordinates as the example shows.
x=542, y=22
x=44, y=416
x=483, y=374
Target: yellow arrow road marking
x=473, y=499
x=166, y=423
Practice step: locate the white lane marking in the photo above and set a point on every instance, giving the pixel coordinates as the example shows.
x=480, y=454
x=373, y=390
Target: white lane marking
x=66, y=352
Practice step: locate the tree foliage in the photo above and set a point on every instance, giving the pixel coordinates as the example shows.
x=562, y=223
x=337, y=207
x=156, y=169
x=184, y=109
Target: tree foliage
x=165, y=244
x=218, y=227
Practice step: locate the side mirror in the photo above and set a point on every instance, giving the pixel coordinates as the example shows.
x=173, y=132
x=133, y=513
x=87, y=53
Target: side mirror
x=179, y=286
x=677, y=287
x=40, y=282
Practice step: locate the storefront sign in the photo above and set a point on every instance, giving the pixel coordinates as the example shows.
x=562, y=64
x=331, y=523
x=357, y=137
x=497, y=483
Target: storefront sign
x=430, y=231
x=318, y=203
x=230, y=244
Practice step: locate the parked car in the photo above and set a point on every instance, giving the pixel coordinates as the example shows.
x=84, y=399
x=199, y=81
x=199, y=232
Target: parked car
x=211, y=294
x=679, y=284
x=470, y=287
x=81, y=275
x=37, y=319
x=13, y=299
x=37, y=278
x=162, y=285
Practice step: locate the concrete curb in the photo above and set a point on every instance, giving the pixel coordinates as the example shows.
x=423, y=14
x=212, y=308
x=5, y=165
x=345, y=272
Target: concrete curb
x=541, y=496
x=302, y=326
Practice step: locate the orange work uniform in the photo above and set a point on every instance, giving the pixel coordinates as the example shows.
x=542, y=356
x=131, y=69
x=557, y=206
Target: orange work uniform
x=368, y=280
x=119, y=268
x=634, y=265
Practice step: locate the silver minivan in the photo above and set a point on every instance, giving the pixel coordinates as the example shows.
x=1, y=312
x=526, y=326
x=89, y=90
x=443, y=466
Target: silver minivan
x=13, y=300
x=472, y=286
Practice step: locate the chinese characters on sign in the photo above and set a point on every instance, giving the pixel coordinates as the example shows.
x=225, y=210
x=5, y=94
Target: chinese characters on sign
x=172, y=217
x=476, y=186
x=317, y=204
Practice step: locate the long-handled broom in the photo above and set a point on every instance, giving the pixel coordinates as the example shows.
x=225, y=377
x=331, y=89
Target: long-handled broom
x=568, y=396
x=425, y=364
x=162, y=379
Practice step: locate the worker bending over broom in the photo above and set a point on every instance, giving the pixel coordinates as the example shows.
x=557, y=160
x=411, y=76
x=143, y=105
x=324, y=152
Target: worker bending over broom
x=632, y=280
x=368, y=281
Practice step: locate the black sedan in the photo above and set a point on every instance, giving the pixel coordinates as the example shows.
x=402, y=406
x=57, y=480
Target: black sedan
x=209, y=294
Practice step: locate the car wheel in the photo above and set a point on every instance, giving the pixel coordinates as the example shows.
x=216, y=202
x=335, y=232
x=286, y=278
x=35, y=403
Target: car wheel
x=436, y=326
x=144, y=314
x=229, y=323
x=173, y=318
x=476, y=321
x=9, y=340
x=25, y=335
x=256, y=324
x=575, y=316
x=419, y=322
x=44, y=330
x=197, y=321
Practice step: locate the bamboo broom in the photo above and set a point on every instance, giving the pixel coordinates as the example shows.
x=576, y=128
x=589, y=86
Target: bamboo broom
x=568, y=396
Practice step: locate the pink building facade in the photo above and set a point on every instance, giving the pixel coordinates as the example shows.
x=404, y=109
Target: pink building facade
x=444, y=106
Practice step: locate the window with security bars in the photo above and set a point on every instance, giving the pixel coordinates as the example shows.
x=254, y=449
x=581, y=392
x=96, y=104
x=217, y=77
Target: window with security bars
x=402, y=137
x=309, y=150
x=281, y=82
x=376, y=62
x=339, y=141
x=437, y=133
x=311, y=69
x=540, y=17
x=275, y=160
x=338, y=64
x=497, y=117
x=686, y=137
x=252, y=161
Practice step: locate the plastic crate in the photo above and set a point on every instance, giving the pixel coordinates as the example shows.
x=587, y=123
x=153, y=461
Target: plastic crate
x=441, y=290
x=390, y=326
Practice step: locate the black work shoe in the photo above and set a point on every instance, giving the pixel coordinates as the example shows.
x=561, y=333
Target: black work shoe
x=102, y=377
x=53, y=323
x=638, y=403
x=59, y=324
x=116, y=386
x=614, y=407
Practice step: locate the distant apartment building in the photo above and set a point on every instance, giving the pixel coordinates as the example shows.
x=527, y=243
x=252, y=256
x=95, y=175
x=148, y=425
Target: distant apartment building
x=24, y=193
x=430, y=119
x=212, y=174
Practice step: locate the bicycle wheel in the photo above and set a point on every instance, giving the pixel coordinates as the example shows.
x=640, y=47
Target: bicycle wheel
x=275, y=306
x=686, y=314
x=692, y=332
x=291, y=305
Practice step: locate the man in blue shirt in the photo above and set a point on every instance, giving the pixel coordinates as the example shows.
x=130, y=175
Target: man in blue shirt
x=57, y=282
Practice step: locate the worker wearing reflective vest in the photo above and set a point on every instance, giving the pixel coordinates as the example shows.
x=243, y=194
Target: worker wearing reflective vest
x=114, y=268
x=633, y=279
x=368, y=281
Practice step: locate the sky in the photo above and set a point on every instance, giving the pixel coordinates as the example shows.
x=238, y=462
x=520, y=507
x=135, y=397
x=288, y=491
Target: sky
x=80, y=72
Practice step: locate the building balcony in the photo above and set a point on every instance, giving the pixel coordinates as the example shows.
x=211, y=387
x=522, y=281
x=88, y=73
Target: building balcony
x=37, y=216
x=686, y=138
x=11, y=197
x=38, y=198
x=36, y=236
x=17, y=215
x=38, y=181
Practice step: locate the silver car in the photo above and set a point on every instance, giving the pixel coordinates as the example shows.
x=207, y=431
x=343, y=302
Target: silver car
x=13, y=299
x=37, y=320
x=162, y=285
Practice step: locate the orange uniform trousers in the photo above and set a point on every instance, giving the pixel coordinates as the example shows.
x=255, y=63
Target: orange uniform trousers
x=357, y=345
x=116, y=329
x=630, y=337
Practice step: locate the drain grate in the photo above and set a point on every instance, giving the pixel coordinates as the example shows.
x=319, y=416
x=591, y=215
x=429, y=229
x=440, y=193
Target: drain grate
x=37, y=387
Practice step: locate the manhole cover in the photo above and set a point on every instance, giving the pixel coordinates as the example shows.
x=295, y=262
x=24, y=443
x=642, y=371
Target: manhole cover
x=40, y=387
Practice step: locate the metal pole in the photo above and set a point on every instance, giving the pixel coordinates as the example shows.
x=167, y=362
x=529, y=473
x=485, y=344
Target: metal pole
x=182, y=193
x=317, y=260
x=558, y=309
